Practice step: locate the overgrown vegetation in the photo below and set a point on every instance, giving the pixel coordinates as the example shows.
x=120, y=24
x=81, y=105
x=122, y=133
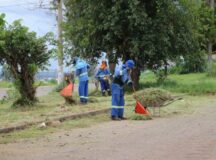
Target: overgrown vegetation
x=194, y=83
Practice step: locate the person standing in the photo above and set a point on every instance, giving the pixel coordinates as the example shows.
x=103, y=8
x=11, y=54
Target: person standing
x=103, y=76
x=82, y=72
x=121, y=77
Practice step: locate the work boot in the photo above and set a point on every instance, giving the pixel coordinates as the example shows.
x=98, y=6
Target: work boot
x=109, y=93
x=123, y=118
x=103, y=94
x=115, y=118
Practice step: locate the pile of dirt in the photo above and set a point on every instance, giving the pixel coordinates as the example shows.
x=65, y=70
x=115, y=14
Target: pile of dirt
x=153, y=97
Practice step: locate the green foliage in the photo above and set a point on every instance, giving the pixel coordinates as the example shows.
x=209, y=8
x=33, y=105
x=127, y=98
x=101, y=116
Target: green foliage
x=150, y=31
x=24, y=54
x=194, y=83
x=207, y=29
x=189, y=64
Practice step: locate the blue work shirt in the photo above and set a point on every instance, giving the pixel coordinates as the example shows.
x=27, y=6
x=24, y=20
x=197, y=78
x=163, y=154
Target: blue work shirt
x=124, y=77
x=102, y=73
x=82, y=70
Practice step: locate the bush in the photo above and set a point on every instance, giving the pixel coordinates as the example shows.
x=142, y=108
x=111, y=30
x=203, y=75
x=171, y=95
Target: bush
x=190, y=64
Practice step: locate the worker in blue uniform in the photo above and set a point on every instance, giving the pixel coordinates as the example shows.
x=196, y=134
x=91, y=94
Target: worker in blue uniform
x=103, y=76
x=82, y=72
x=121, y=77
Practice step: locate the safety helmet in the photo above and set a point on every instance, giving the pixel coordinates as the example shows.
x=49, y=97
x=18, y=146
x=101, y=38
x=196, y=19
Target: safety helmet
x=130, y=64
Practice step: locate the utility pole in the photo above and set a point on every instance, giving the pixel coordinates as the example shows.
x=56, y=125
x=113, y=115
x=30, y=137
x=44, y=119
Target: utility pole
x=210, y=44
x=60, y=42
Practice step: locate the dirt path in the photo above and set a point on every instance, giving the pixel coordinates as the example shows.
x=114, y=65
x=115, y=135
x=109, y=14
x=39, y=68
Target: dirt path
x=185, y=137
x=41, y=91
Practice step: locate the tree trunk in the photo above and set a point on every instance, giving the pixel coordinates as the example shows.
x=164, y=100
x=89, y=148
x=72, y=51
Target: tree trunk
x=210, y=45
x=27, y=89
x=209, y=55
x=135, y=77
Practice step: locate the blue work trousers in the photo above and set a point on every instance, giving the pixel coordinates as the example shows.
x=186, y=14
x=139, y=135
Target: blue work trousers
x=104, y=85
x=83, y=91
x=117, y=109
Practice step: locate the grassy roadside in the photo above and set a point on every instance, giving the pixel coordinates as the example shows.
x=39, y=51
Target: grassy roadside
x=194, y=83
x=197, y=85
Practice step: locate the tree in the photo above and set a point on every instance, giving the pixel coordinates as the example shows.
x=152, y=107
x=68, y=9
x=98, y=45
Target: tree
x=24, y=54
x=149, y=31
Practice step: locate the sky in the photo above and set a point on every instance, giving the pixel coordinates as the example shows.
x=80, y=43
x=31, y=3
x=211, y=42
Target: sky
x=39, y=20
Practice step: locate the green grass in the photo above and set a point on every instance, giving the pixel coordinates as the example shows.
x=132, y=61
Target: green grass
x=50, y=106
x=195, y=83
x=5, y=84
x=34, y=131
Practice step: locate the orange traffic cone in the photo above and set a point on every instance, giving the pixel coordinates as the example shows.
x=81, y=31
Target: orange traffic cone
x=140, y=109
x=67, y=91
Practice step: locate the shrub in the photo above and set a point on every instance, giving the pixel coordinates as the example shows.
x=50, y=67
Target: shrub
x=24, y=54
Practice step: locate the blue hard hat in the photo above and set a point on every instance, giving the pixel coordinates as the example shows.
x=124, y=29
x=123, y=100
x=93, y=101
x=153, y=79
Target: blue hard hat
x=130, y=64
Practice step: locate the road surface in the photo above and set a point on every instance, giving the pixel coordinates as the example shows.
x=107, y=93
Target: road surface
x=184, y=137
